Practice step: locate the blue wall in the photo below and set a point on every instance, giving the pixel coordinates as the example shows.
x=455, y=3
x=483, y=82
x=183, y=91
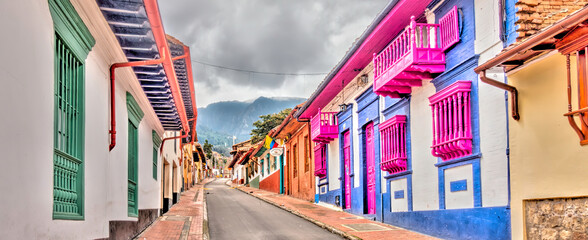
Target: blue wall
x=471, y=223
x=368, y=111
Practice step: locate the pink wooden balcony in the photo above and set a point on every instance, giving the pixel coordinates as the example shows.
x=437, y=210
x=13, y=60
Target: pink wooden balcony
x=320, y=160
x=452, y=125
x=415, y=54
x=324, y=127
x=393, y=137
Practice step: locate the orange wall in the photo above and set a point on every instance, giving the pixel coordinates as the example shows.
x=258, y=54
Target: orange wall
x=302, y=185
x=271, y=183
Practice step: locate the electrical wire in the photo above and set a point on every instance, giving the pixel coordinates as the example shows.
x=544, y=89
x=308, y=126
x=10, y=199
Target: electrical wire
x=257, y=72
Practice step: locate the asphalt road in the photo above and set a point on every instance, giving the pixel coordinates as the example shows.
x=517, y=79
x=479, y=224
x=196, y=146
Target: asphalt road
x=233, y=214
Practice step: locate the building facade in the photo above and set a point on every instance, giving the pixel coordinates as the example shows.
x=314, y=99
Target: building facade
x=97, y=164
x=411, y=139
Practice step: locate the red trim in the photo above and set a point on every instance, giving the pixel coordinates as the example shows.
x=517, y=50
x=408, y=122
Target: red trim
x=154, y=17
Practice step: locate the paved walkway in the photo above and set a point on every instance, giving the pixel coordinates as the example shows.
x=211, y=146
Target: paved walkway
x=342, y=223
x=183, y=221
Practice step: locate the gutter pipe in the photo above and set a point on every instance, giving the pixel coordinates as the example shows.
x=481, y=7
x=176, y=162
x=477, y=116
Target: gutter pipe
x=572, y=20
x=113, y=67
x=176, y=137
x=187, y=59
x=152, y=10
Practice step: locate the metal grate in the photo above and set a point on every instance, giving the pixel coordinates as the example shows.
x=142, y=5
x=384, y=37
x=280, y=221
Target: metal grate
x=68, y=135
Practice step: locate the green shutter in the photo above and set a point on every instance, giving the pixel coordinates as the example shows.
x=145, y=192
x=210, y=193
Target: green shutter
x=156, y=144
x=155, y=163
x=133, y=173
x=73, y=42
x=135, y=115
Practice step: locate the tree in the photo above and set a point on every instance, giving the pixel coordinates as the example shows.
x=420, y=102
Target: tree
x=266, y=123
x=207, y=148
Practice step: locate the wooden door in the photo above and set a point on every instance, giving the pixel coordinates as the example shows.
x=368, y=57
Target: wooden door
x=370, y=169
x=347, y=160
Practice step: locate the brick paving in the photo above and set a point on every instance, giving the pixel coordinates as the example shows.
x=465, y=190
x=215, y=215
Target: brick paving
x=336, y=221
x=184, y=220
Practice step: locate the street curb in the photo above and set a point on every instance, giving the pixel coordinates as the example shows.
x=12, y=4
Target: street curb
x=205, y=229
x=316, y=222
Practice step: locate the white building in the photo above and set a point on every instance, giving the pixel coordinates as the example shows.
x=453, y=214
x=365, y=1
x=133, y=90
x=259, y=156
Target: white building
x=67, y=175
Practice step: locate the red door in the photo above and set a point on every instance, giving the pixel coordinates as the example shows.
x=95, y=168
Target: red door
x=347, y=158
x=370, y=169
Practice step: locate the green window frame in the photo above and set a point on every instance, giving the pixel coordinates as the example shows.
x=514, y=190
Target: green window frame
x=135, y=114
x=156, y=144
x=73, y=42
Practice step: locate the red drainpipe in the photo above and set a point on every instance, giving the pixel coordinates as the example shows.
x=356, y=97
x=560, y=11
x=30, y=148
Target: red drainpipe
x=159, y=35
x=187, y=58
x=176, y=137
x=113, y=67
x=154, y=17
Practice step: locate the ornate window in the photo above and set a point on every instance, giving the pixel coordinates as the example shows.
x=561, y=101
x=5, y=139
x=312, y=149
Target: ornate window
x=393, y=135
x=73, y=42
x=452, y=126
x=320, y=160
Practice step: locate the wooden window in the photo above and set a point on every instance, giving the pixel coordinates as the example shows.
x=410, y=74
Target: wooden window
x=452, y=124
x=295, y=160
x=132, y=170
x=320, y=160
x=73, y=42
x=156, y=144
x=393, y=140
x=135, y=114
x=306, y=154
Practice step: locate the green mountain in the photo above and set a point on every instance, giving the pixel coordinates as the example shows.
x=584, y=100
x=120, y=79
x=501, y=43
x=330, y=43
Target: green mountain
x=219, y=122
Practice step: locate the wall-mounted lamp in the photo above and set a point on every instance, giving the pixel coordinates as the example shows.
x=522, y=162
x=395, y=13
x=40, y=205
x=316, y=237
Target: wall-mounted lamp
x=342, y=107
x=364, y=79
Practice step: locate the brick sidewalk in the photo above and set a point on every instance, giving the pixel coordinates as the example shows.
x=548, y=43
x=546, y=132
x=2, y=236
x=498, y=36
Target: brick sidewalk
x=183, y=221
x=336, y=221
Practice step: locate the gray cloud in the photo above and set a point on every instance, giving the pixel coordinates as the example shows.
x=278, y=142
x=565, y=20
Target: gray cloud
x=300, y=36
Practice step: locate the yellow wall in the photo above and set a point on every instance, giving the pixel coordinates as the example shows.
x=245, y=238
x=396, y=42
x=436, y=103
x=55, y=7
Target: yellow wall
x=547, y=160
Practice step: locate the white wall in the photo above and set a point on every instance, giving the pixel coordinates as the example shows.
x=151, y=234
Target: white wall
x=425, y=175
x=334, y=164
x=459, y=199
x=27, y=103
x=493, y=112
x=401, y=204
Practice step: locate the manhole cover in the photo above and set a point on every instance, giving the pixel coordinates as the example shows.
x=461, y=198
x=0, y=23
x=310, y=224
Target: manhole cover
x=366, y=227
x=305, y=206
x=351, y=218
x=176, y=218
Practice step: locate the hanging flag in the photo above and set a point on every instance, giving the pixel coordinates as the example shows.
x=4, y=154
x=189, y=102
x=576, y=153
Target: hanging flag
x=268, y=141
x=273, y=144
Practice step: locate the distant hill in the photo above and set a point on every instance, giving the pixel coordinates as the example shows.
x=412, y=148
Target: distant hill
x=218, y=122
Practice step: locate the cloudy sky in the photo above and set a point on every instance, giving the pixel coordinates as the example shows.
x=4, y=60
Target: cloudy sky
x=300, y=37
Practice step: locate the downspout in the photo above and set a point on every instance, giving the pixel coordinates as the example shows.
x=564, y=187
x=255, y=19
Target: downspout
x=187, y=58
x=152, y=10
x=176, y=137
x=113, y=67
x=513, y=92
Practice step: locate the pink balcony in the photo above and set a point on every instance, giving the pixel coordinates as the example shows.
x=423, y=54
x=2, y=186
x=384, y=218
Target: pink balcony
x=393, y=137
x=452, y=125
x=415, y=54
x=320, y=160
x=324, y=127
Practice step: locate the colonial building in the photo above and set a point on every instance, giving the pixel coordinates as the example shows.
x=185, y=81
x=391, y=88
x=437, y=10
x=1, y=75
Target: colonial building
x=403, y=132
x=92, y=87
x=546, y=77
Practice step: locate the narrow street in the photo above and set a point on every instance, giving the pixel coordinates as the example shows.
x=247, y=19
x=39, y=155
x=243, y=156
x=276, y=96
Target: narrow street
x=233, y=214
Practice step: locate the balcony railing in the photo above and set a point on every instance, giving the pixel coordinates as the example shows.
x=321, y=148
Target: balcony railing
x=320, y=160
x=324, y=127
x=415, y=54
x=393, y=132
x=452, y=125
